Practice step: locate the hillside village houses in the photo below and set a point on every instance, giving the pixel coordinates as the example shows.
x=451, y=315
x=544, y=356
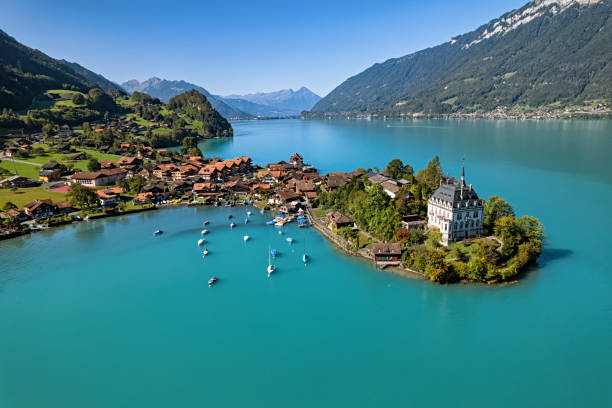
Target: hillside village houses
x=455, y=210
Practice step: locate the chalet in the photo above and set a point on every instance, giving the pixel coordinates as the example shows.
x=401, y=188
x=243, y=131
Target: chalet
x=40, y=208
x=387, y=254
x=144, y=198
x=107, y=164
x=63, y=148
x=19, y=215
x=125, y=162
x=204, y=189
x=377, y=178
x=78, y=156
x=237, y=187
x=267, y=177
x=209, y=172
x=339, y=220
x=155, y=188
x=49, y=175
x=54, y=166
x=64, y=207
x=335, y=180
x=286, y=196
x=304, y=186
x=17, y=181
x=296, y=160
x=184, y=172
x=164, y=171
x=391, y=188
x=10, y=151
x=104, y=149
x=98, y=178
x=109, y=196
x=180, y=186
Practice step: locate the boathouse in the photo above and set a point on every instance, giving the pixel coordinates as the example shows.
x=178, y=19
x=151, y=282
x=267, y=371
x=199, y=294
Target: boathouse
x=386, y=254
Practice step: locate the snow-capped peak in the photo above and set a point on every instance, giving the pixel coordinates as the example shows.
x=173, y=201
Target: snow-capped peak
x=524, y=15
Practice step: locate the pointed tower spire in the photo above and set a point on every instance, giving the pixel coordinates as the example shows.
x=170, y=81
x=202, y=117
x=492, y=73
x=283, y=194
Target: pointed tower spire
x=463, y=172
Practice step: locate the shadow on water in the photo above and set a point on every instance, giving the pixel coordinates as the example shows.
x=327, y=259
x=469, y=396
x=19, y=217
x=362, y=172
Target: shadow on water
x=553, y=254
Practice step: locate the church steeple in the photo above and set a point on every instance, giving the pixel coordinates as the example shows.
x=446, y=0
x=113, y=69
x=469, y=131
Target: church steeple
x=463, y=172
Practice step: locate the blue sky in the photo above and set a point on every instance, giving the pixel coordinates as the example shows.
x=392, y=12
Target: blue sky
x=240, y=46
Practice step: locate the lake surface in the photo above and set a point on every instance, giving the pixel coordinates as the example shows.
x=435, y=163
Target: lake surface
x=103, y=314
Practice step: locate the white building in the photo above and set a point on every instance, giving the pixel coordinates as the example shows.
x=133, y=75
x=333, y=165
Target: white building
x=455, y=210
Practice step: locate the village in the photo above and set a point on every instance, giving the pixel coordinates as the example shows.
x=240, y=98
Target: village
x=438, y=215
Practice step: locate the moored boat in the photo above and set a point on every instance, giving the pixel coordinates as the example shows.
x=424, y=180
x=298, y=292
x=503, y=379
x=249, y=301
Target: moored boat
x=246, y=238
x=201, y=241
x=273, y=252
x=158, y=232
x=212, y=281
x=289, y=240
x=206, y=222
x=232, y=225
x=204, y=232
x=205, y=252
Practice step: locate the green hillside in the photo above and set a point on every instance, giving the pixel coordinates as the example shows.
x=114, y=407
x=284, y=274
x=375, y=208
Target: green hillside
x=543, y=54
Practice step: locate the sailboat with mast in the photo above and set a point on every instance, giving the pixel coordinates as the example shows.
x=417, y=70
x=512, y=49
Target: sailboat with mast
x=305, y=256
x=271, y=267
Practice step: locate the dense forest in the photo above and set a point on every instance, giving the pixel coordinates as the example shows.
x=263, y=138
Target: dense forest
x=195, y=106
x=541, y=55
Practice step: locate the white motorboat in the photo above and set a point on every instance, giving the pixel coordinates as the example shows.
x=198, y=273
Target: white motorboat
x=201, y=241
x=289, y=240
x=246, y=238
x=271, y=267
x=249, y=213
x=206, y=222
x=232, y=225
x=212, y=281
x=205, y=252
x=158, y=232
x=204, y=232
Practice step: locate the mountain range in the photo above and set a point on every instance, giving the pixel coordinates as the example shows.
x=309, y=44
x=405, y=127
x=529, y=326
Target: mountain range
x=282, y=103
x=165, y=89
x=546, y=53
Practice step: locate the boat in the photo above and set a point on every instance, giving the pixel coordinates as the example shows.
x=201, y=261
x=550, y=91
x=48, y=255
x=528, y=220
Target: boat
x=305, y=256
x=279, y=224
x=261, y=211
x=246, y=238
x=273, y=252
x=229, y=217
x=270, y=222
x=232, y=225
x=201, y=241
x=205, y=252
x=289, y=240
x=246, y=220
x=249, y=213
x=206, y=222
x=158, y=232
x=271, y=267
x=280, y=232
x=204, y=232
x=212, y=281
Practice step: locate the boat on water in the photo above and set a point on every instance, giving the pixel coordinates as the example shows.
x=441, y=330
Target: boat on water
x=205, y=252
x=305, y=258
x=204, y=232
x=246, y=220
x=280, y=232
x=206, y=222
x=201, y=241
x=229, y=217
x=270, y=222
x=232, y=225
x=158, y=232
x=212, y=281
x=279, y=224
x=289, y=240
x=246, y=238
x=271, y=267
x=273, y=252
x=249, y=213
x=261, y=211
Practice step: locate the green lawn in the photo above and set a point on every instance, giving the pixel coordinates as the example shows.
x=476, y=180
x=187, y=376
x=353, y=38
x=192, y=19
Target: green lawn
x=319, y=212
x=26, y=170
x=24, y=195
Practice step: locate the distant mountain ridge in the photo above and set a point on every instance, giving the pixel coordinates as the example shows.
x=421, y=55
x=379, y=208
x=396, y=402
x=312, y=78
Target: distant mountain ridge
x=166, y=89
x=545, y=53
x=285, y=101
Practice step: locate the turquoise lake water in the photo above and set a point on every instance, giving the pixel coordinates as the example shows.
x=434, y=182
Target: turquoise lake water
x=103, y=314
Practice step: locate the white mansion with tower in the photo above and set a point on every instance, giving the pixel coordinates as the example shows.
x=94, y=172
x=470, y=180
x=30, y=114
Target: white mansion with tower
x=455, y=210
